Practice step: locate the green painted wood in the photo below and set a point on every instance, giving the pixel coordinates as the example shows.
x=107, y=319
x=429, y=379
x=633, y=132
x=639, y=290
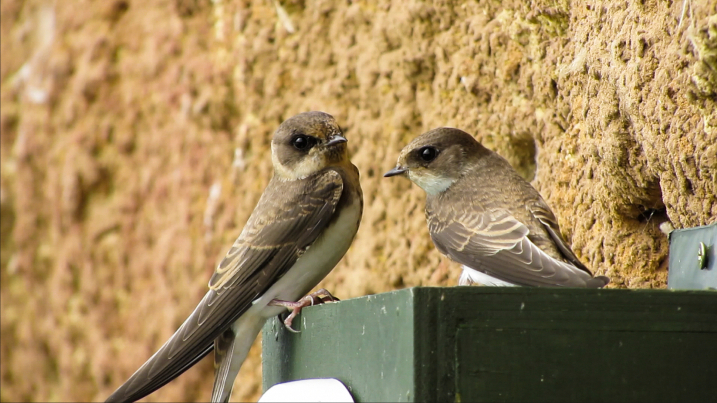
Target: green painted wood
x=506, y=344
x=367, y=343
x=685, y=269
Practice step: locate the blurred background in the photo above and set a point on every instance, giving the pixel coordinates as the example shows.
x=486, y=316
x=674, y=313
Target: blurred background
x=135, y=144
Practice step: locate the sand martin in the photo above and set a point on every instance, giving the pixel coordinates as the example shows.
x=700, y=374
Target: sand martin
x=302, y=225
x=485, y=216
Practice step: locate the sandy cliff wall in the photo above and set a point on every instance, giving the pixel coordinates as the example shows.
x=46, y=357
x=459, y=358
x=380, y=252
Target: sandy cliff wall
x=135, y=143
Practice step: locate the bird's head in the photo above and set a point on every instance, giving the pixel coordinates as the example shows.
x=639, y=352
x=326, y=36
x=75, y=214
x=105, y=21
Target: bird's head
x=307, y=143
x=438, y=158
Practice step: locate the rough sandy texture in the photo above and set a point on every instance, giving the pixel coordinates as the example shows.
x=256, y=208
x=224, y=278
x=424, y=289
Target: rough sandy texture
x=135, y=143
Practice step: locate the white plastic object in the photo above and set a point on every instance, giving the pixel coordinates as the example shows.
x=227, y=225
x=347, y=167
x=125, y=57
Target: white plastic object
x=308, y=390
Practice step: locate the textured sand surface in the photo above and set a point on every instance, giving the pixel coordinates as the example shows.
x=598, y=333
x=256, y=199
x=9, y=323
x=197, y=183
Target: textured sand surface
x=135, y=144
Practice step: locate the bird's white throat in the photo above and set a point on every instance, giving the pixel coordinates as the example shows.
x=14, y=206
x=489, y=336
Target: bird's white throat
x=430, y=183
x=309, y=164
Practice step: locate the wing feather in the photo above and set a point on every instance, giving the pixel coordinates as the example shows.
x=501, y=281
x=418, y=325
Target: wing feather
x=542, y=212
x=496, y=243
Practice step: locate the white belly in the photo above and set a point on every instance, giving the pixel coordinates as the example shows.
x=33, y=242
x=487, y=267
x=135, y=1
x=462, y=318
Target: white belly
x=471, y=276
x=313, y=265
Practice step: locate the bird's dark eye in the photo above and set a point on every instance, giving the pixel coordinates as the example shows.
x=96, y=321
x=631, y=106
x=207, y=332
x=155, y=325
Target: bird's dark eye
x=428, y=154
x=303, y=142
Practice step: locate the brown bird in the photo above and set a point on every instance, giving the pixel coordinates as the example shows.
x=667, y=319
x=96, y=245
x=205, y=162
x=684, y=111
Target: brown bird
x=302, y=226
x=484, y=215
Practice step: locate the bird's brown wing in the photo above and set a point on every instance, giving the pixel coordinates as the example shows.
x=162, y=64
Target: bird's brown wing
x=495, y=243
x=542, y=212
x=288, y=218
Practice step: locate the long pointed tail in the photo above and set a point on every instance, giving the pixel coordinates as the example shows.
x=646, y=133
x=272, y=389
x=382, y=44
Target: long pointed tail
x=230, y=351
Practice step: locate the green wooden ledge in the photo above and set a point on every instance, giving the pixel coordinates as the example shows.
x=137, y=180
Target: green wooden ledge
x=505, y=344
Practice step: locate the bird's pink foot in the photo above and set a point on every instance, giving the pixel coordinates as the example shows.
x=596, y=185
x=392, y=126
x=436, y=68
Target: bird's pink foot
x=315, y=298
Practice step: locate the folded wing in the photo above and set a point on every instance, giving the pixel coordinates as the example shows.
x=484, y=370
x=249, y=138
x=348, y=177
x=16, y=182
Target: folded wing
x=495, y=243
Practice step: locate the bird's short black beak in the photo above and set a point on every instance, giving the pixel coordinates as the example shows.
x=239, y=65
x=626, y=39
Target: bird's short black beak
x=395, y=171
x=336, y=139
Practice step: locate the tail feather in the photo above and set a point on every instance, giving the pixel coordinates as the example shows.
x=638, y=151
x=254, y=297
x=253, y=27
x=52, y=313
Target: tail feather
x=597, y=282
x=230, y=351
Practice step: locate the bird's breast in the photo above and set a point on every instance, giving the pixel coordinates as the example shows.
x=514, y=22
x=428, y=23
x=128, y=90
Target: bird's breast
x=318, y=260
